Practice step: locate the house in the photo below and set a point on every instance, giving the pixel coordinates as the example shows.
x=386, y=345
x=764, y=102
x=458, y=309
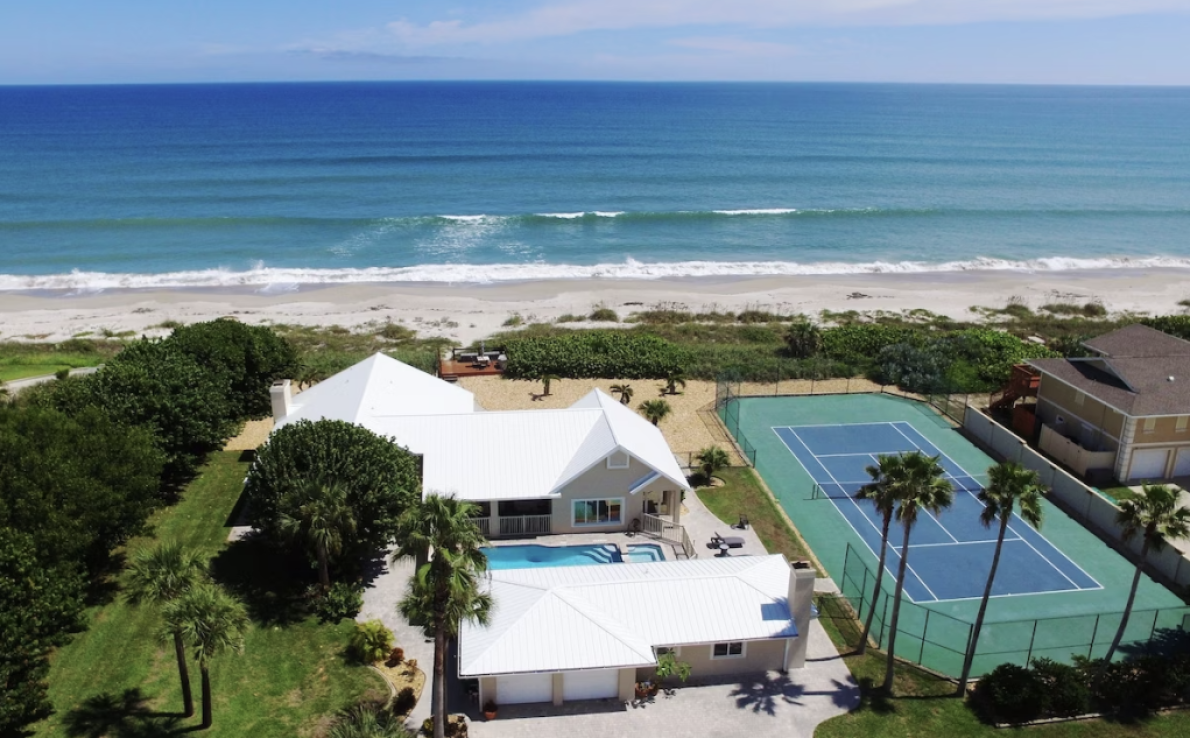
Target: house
x=595, y=466
x=591, y=632
x=1125, y=409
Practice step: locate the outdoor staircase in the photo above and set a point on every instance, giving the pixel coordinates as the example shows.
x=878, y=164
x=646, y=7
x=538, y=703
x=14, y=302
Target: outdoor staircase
x=1024, y=383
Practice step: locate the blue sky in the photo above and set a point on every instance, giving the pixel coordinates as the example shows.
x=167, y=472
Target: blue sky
x=1026, y=41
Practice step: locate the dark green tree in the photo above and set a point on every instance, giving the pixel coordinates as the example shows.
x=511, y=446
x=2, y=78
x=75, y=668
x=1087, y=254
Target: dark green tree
x=251, y=358
x=212, y=622
x=655, y=410
x=1010, y=486
x=153, y=385
x=79, y=486
x=39, y=608
x=160, y=575
x=315, y=513
x=804, y=339
x=381, y=479
x=710, y=460
x=445, y=591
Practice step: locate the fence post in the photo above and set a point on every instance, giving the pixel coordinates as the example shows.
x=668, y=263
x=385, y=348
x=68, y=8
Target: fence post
x=883, y=624
x=1094, y=632
x=921, y=653
x=1154, y=628
x=863, y=591
x=1032, y=639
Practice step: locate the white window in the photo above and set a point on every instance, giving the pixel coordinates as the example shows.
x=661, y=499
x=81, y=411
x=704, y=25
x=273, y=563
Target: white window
x=618, y=460
x=1182, y=423
x=1150, y=425
x=1079, y=397
x=733, y=650
x=598, y=512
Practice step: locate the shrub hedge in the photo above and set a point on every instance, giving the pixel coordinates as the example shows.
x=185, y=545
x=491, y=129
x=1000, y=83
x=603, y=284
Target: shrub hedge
x=594, y=354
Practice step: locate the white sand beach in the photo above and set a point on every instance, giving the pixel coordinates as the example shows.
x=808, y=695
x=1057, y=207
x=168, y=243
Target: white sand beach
x=467, y=312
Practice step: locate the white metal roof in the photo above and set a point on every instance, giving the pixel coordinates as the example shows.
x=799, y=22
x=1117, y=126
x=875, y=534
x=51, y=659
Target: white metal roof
x=379, y=385
x=498, y=455
x=612, y=615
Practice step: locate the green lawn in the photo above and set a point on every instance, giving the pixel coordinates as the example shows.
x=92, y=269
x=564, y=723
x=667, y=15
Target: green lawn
x=743, y=493
x=117, y=679
x=924, y=705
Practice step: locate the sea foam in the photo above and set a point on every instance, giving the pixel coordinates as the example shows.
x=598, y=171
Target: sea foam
x=281, y=279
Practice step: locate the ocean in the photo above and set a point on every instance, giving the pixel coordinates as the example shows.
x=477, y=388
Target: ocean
x=276, y=185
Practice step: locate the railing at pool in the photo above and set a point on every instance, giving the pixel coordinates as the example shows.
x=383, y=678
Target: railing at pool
x=515, y=525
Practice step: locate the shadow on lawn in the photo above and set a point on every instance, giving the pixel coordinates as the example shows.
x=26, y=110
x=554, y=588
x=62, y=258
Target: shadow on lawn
x=123, y=715
x=271, y=583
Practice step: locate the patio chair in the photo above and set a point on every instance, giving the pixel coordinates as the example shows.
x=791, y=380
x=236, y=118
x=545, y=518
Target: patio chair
x=743, y=525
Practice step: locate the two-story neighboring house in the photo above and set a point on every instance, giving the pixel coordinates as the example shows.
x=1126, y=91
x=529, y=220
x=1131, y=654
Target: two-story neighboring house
x=1132, y=399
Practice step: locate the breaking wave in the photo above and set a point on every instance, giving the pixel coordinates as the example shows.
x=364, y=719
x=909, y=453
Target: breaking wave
x=275, y=279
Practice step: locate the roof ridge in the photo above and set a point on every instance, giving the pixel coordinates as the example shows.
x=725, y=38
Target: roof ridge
x=590, y=608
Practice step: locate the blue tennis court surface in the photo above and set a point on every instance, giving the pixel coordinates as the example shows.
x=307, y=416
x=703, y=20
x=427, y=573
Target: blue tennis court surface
x=951, y=554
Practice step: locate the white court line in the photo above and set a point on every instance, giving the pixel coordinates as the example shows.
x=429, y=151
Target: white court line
x=961, y=543
x=1044, y=558
x=853, y=502
x=860, y=453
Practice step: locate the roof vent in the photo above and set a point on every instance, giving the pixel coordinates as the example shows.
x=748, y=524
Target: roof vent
x=1171, y=378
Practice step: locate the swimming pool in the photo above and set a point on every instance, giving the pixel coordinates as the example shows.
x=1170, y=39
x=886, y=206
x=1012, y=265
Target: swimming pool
x=533, y=556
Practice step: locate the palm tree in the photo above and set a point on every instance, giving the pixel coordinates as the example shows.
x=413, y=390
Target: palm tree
x=212, y=621
x=446, y=590
x=624, y=391
x=883, y=493
x=545, y=382
x=1010, y=485
x=160, y=575
x=1157, y=516
x=672, y=380
x=804, y=339
x=710, y=460
x=655, y=410
x=317, y=514
x=921, y=484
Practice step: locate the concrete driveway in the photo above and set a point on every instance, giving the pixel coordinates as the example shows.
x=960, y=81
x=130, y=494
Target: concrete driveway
x=771, y=705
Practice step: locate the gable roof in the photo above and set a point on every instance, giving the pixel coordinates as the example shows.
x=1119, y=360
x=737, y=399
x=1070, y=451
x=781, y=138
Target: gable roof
x=379, y=385
x=1139, y=371
x=612, y=615
x=497, y=455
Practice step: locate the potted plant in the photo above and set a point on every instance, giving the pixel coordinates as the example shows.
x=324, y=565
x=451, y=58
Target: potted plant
x=644, y=689
x=489, y=710
x=668, y=666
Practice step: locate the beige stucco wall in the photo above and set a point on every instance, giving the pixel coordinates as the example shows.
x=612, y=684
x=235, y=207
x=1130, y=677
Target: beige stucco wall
x=1165, y=431
x=760, y=656
x=1055, y=397
x=600, y=482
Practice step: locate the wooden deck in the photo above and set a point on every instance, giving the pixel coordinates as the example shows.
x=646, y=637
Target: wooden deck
x=451, y=370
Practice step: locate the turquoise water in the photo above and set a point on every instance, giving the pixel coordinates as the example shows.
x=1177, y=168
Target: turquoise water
x=533, y=556
x=275, y=185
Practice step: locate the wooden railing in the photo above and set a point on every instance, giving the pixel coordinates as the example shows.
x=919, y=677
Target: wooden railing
x=525, y=525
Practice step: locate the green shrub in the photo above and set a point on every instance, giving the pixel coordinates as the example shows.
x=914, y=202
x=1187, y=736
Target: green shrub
x=382, y=478
x=1068, y=692
x=77, y=346
x=1013, y=693
x=859, y=344
x=396, y=332
x=513, y=320
x=250, y=358
x=594, y=354
x=604, y=314
x=341, y=602
x=1174, y=325
x=371, y=641
x=368, y=720
x=570, y=318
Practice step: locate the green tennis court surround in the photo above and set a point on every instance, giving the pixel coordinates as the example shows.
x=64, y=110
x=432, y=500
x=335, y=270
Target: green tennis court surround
x=1064, y=598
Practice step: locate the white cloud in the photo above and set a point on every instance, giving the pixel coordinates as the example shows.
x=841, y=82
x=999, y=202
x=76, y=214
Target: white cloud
x=578, y=16
x=736, y=45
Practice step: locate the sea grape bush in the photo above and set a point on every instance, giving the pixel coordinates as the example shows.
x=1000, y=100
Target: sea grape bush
x=594, y=354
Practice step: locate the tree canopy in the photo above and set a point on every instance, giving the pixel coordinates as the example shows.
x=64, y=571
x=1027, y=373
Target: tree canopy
x=381, y=479
x=250, y=358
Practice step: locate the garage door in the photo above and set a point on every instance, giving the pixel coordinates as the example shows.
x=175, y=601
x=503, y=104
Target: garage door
x=590, y=685
x=521, y=688
x=1181, y=467
x=1148, y=464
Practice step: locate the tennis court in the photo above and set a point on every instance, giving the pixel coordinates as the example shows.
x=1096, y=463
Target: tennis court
x=950, y=554
x=1058, y=593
